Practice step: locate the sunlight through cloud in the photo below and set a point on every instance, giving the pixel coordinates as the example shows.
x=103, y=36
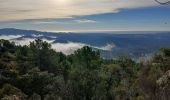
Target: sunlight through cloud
x=31, y=9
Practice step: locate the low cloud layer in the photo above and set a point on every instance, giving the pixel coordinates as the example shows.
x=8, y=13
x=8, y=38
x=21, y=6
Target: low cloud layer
x=32, y=9
x=66, y=48
x=9, y=37
x=107, y=47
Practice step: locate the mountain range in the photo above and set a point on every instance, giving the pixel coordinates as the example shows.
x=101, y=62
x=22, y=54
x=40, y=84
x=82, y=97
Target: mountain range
x=110, y=44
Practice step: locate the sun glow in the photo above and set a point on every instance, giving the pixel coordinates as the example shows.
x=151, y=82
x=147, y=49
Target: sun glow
x=39, y=9
x=62, y=2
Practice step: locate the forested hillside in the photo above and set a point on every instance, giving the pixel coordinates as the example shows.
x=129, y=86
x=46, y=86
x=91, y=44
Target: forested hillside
x=37, y=72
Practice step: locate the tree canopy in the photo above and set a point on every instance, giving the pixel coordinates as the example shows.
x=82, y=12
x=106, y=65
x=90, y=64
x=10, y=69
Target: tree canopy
x=37, y=72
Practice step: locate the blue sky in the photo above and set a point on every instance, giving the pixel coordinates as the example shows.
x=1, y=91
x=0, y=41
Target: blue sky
x=108, y=15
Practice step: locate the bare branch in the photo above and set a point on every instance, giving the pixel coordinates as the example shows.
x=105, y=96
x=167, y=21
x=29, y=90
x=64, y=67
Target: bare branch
x=163, y=3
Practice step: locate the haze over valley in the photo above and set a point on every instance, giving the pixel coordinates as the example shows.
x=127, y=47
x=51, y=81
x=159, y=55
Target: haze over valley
x=110, y=44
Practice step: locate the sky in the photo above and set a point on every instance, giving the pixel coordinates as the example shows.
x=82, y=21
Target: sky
x=85, y=15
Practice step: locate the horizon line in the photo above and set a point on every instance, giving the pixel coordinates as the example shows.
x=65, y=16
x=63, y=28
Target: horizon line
x=86, y=31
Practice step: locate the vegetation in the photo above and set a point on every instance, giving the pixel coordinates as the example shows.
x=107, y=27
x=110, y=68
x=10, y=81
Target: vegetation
x=37, y=72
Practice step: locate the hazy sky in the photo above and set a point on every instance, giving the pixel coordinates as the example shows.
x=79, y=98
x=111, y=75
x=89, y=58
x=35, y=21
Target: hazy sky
x=85, y=15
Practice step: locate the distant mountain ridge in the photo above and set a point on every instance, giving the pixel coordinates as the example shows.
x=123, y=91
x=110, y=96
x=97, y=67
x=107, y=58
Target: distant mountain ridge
x=12, y=31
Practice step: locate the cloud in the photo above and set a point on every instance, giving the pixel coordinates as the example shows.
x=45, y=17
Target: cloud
x=9, y=37
x=67, y=48
x=26, y=41
x=19, y=40
x=53, y=21
x=37, y=9
x=85, y=21
x=37, y=35
x=71, y=47
x=23, y=41
x=48, y=22
x=107, y=47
